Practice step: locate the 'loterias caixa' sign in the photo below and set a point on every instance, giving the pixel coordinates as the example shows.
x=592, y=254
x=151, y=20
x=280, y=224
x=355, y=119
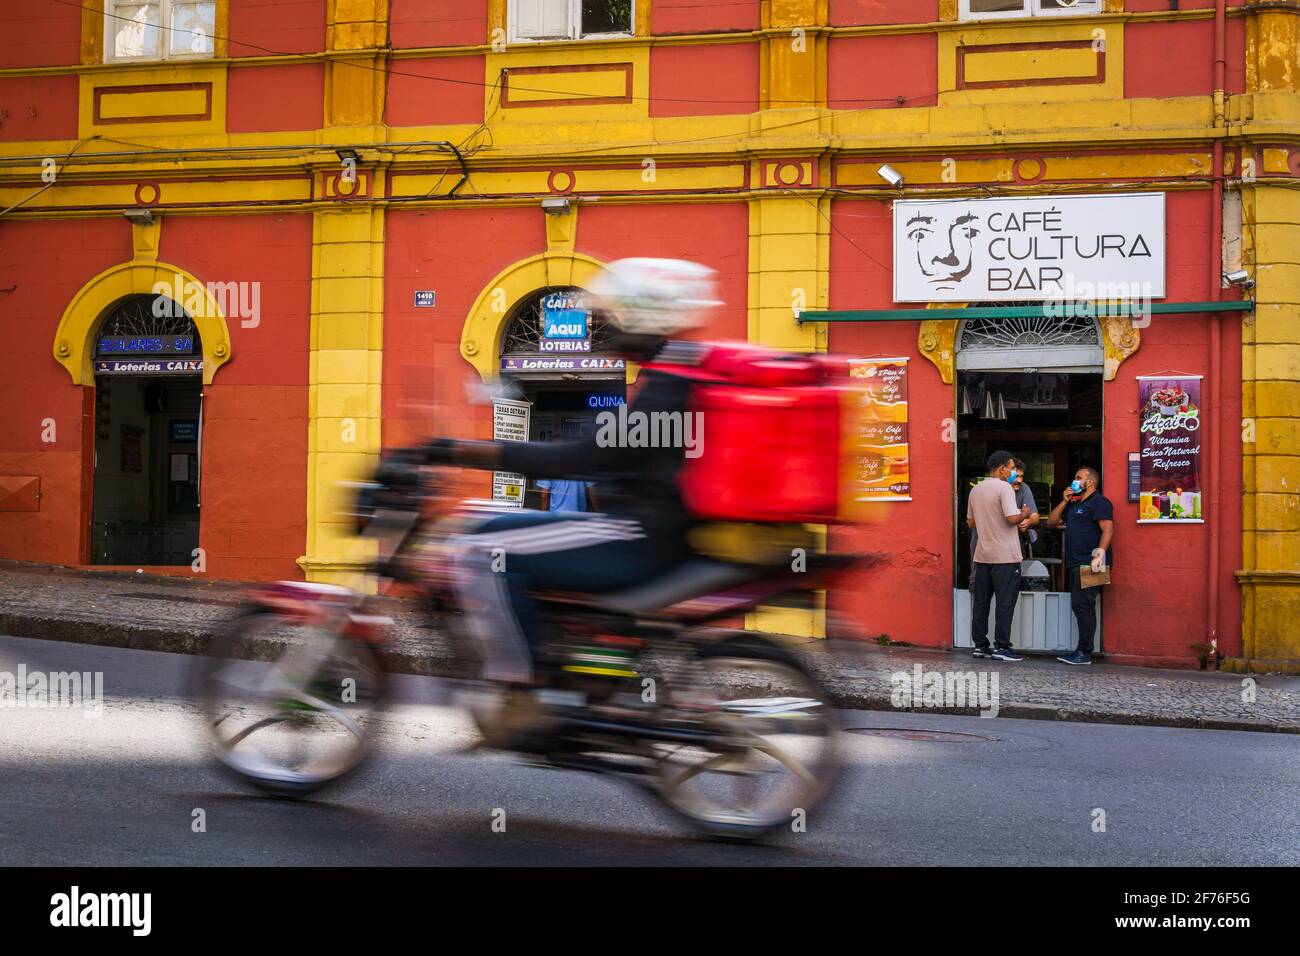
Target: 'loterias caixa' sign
x=1034, y=247
x=1170, y=413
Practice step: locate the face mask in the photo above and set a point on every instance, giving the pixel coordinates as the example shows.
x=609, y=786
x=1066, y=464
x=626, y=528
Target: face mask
x=1013, y=476
x=1076, y=486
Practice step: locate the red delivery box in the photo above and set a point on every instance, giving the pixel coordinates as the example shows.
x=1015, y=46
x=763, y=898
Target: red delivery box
x=779, y=436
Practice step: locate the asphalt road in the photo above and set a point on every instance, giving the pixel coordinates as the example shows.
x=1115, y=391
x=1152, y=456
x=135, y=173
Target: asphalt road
x=122, y=788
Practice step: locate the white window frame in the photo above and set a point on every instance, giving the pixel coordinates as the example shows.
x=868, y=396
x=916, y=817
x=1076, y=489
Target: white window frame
x=1030, y=8
x=113, y=23
x=575, y=23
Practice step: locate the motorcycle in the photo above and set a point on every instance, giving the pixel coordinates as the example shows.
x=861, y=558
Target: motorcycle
x=729, y=729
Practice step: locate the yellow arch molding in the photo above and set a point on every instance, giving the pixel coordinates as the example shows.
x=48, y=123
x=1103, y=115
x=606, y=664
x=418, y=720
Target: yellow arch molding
x=74, y=341
x=480, y=339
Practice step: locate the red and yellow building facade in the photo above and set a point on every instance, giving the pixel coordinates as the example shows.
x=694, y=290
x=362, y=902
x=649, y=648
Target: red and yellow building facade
x=743, y=135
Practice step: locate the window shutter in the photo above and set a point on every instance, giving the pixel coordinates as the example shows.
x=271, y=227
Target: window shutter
x=541, y=19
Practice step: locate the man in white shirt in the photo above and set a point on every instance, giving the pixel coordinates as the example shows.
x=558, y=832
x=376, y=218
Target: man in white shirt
x=991, y=510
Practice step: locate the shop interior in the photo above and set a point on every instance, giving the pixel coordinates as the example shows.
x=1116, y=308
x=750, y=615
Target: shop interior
x=146, y=493
x=1051, y=420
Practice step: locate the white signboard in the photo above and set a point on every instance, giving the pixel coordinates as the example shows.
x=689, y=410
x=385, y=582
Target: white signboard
x=1034, y=247
x=509, y=423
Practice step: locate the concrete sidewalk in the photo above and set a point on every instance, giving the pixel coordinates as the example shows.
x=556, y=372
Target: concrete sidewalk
x=180, y=615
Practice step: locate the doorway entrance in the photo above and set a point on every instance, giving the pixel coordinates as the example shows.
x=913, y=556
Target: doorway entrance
x=556, y=360
x=1032, y=387
x=148, y=435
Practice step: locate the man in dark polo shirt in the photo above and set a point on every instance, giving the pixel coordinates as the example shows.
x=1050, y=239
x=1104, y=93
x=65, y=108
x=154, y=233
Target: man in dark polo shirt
x=1089, y=522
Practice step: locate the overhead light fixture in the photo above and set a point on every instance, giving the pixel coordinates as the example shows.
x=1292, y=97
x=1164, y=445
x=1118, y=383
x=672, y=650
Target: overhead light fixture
x=965, y=402
x=347, y=154
x=989, y=410
x=890, y=175
x=1000, y=409
x=139, y=216
x=555, y=207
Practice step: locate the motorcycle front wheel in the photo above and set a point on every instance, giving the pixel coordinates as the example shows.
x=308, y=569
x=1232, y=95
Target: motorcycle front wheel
x=289, y=708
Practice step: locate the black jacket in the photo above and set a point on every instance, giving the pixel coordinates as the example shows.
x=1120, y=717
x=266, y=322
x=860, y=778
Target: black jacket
x=635, y=481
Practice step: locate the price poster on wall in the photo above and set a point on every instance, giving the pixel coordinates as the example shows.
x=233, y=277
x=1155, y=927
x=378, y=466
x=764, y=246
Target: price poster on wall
x=883, y=472
x=1170, y=413
x=509, y=423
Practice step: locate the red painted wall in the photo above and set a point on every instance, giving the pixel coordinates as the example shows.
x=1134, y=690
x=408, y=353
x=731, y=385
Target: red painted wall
x=254, y=517
x=40, y=34
x=435, y=90
x=703, y=16
x=714, y=234
x=871, y=72
x=53, y=100
x=47, y=262
x=704, y=79
x=1149, y=70
x=457, y=253
x=909, y=597
x=263, y=27
x=429, y=23
x=1145, y=6
x=298, y=102
x=856, y=12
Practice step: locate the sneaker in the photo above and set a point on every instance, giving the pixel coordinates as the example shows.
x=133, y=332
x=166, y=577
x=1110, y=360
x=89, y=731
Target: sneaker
x=982, y=652
x=1005, y=654
x=1078, y=657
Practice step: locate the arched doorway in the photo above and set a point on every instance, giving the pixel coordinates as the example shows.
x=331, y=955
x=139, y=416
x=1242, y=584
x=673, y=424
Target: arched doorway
x=557, y=374
x=148, y=368
x=1031, y=386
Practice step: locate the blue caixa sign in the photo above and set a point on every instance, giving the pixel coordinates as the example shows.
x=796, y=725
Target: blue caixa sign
x=563, y=317
x=425, y=300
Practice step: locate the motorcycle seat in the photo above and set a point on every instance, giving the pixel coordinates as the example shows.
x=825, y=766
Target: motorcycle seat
x=695, y=578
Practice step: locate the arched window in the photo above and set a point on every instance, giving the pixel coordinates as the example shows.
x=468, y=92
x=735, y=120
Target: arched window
x=1061, y=342
x=524, y=333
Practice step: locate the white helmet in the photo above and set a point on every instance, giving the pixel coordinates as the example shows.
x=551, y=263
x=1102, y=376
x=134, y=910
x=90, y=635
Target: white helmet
x=655, y=296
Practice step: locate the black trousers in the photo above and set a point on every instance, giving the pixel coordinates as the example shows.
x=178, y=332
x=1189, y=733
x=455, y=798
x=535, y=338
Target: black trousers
x=990, y=581
x=1083, y=602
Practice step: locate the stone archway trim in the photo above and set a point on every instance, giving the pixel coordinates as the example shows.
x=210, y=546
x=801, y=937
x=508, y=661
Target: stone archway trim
x=485, y=325
x=74, y=340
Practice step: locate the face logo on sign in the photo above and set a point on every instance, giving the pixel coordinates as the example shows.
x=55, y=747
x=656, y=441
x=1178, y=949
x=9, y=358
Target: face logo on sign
x=944, y=247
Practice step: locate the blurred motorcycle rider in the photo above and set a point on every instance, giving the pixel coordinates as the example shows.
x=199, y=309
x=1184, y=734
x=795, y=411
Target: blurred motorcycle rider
x=643, y=531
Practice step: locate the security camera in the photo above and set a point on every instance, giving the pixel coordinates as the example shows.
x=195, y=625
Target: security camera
x=1241, y=278
x=890, y=175
x=139, y=216
x=555, y=207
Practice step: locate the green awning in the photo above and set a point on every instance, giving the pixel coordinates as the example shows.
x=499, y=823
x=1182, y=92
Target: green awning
x=1062, y=310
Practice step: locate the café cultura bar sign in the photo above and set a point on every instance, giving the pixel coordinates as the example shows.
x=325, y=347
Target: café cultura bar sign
x=1030, y=248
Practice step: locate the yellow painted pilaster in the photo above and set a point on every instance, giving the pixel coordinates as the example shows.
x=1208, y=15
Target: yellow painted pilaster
x=346, y=365
x=794, y=65
x=355, y=85
x=1270, y=574
x=789, y=270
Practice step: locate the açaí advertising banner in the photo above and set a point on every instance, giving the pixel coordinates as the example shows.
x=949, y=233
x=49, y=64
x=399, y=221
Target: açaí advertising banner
x=1170, y=414
x=883, y=467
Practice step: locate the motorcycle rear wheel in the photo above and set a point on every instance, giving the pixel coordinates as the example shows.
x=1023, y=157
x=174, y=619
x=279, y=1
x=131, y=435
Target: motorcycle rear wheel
x=774, y=755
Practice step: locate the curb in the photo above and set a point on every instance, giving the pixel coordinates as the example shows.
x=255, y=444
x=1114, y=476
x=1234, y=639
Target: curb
x=428, y=663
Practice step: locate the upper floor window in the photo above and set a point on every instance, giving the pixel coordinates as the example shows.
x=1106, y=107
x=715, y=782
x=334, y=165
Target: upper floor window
x=990, y=9
x=570, y=19
x=158, y=30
